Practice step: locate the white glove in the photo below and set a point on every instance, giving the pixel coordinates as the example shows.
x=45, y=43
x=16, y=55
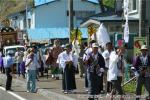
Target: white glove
x=136, y=74
x=101, y=69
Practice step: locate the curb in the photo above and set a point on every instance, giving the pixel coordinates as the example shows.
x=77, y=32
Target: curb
x=48, y=94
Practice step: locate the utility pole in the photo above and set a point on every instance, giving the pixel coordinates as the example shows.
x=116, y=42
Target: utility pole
x=71, y=26
x=142, y=13
x=26, y=4
x=26, y=18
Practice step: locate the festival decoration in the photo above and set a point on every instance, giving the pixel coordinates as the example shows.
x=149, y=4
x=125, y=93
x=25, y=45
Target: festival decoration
x=102, y=35
x=76, y=35
x=126, y=26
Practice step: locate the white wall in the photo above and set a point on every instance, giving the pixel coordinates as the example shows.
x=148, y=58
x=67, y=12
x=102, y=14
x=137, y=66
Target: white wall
x=21, y=22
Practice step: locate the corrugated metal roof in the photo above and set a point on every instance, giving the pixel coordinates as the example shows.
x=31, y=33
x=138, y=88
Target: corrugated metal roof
x=52, y=33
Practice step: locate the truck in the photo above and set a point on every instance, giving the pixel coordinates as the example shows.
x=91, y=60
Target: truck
x=8, y=41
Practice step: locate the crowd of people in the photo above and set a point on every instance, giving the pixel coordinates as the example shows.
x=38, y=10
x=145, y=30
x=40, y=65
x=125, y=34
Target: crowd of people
x=98, y=66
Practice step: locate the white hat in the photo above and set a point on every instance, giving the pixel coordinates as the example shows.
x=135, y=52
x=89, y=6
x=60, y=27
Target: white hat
x=144, y=47
x=63, y=46
x=95, y=45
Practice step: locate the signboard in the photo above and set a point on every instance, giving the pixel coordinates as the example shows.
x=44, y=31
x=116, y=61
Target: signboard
x=119, y=41
x=138, y=42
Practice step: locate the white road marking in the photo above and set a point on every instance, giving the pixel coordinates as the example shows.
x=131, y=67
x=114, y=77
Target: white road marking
x=13, y=94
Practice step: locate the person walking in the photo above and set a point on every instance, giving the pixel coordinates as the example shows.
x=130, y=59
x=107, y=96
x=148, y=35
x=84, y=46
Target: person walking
x=87, y=50
x=68, y=61
x=55, y=51
x=31, y=66
x=1, y=63
x=106, y=55
x=18, y=59
x=8, y=64
x=95, y=62
x=115, y=71
x=80, y=59
x=142, y=71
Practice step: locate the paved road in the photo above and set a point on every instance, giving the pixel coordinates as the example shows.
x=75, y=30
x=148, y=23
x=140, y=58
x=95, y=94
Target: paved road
x=19, y=93
x=6, y=96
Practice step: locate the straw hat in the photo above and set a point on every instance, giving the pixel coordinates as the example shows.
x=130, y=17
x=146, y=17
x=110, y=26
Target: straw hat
x=95, y=45
x=144, y=47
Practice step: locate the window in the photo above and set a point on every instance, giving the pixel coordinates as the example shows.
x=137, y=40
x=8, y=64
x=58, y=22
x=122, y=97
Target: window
x=132, y=5
x=29, y=23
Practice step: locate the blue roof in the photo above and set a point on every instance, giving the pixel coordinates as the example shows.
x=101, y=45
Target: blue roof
x=52, y=33
x=42, y=2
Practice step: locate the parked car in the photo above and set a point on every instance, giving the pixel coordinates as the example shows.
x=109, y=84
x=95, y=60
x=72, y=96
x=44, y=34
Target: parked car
x=12, y=49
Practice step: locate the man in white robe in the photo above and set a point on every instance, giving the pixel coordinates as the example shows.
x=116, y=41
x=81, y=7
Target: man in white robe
x=68, y=61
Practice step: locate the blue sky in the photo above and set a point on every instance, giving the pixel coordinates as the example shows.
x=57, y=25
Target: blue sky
x=39, y=2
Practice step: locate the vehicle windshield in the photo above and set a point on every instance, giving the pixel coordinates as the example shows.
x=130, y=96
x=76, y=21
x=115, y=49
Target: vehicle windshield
x=14, y=50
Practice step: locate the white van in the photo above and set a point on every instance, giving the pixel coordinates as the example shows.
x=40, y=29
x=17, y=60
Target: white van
x=13, y=49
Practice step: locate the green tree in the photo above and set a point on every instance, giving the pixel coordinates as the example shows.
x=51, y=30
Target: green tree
x=110, y=4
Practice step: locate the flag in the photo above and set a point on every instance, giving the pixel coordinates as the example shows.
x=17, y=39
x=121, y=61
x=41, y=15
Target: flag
x=126, y=33
x=126, y=15
x=102, y=35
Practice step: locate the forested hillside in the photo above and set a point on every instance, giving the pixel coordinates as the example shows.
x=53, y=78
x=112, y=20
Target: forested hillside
x=11, y=6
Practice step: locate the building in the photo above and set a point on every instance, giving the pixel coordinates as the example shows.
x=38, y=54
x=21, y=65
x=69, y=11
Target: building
x=17, y=20
x=114, y=21
x=53, y=15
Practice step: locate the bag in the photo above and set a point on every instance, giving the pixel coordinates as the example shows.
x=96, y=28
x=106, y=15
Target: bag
x=49, y=59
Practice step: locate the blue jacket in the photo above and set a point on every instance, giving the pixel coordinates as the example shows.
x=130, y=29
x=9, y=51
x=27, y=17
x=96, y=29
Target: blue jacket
x=8, y=61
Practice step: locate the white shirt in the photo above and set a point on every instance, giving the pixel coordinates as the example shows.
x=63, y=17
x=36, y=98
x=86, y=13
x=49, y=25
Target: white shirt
x=67, y=57
x=44, y=60
x=19, y=56
x=33, y=64
x=89, y=50
x=113, y=68
x=59, y=59
x=106, y=55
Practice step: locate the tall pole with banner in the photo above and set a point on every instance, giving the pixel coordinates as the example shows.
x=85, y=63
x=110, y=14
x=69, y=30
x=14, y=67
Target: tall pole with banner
x=126, y=26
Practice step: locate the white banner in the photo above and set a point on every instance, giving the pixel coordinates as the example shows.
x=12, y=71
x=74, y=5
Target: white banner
x=126, y=33
x=102, y=35
x=126, y=26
